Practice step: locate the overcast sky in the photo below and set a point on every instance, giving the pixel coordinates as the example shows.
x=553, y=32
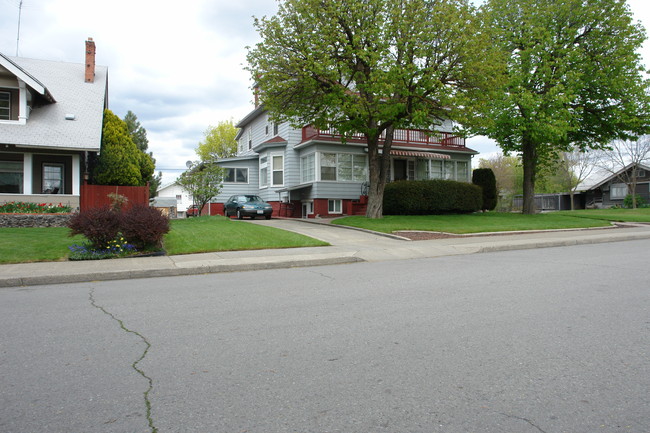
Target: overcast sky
x=177, y=65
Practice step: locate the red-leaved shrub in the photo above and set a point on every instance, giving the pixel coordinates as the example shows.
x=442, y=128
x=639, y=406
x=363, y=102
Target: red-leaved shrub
x=143, y=226
x=99, y=225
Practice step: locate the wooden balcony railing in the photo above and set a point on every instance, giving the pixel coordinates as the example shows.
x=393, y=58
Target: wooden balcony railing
x=400, y=137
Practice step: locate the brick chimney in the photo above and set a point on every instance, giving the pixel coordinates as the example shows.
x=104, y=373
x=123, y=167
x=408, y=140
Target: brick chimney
x=90, y=61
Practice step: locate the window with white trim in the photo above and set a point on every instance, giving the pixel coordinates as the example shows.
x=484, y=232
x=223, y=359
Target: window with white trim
x=436, y=169
x=334, y=206
x=250, y=138
x=343, y=167
x=5, y=106
x=617, y=191
x=52, y=179
x=462, y=171
x=278, y=170
x=235, y=175
x=11, y=177
x=308, y=168
x=264, y=172
x=275, y=128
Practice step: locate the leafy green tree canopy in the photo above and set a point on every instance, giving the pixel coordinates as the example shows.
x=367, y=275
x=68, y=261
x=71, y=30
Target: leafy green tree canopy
x=369, y=67
x=574, y=78
x=203, y=181
x=218, y=141
x=120, y=162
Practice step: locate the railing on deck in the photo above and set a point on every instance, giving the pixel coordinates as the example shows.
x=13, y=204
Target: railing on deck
x=400, y=136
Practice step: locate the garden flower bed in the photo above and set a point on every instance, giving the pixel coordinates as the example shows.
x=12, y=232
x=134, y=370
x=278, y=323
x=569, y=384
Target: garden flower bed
x=23, y=214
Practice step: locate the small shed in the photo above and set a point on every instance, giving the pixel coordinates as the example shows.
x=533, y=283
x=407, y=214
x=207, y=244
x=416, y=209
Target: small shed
x=166, y=205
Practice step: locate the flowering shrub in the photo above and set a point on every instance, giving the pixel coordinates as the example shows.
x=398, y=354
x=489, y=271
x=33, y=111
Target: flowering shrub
x=24, y=207
x=115, y=248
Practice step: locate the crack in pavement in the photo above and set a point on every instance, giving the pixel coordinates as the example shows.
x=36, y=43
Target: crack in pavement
x=147, y=402
x=523, y=419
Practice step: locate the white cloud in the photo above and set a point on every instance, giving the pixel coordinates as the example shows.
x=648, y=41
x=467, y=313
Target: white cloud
x=177, y=65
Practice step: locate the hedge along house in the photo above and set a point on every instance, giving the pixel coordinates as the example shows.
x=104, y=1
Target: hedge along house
x=51, y=116
x=307, y=172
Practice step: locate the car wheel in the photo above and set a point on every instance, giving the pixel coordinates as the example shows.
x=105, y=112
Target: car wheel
x=239, y=215
x=268, y=217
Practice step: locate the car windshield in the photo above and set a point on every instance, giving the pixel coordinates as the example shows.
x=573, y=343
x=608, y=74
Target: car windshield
x=248, y=198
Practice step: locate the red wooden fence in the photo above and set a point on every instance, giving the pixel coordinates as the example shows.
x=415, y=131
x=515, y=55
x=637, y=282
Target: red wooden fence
x=97, y=195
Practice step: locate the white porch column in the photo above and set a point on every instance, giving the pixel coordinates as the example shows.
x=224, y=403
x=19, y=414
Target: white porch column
x=23, y=113
x=28, y=163
x=76, y=175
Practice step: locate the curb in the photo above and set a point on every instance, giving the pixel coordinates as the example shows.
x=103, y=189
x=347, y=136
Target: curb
x=172, y=272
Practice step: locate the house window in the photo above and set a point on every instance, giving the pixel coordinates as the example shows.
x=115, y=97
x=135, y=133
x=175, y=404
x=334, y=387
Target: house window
x=343, y=167
x=618, y=191
x=179, y=197
x=448, y=170
x=264, y=172
x=410, y=170
x=52, y=179
x=334, y=206
x=266, y=129
x=640, y=173
x=462, y=172
x=250, y=138
x=275, y=128
x=436, y=169
x=308, y=168
x=5, y=106
x=422, y=171
x=359, y=168
x=328, y=166
x=278, y=170
x=11, y=177
x=236, y=175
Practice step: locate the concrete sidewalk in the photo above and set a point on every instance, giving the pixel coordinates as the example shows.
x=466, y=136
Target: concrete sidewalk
x=347, y=246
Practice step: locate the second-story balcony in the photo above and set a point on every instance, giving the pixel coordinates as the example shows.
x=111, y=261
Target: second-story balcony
x=401, y=137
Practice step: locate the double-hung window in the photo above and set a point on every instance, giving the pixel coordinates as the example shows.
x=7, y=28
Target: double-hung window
x=278, y=170
x=236, y=175
x=308, y=168
x=52, y=179
x=343, y=167
x=5, y=106
x=264, y=172
x=617, y=191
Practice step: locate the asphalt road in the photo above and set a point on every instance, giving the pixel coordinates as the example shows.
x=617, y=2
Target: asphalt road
x=548, y=340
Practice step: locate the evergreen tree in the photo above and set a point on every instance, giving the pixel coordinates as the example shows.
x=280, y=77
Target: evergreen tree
x=120, y=162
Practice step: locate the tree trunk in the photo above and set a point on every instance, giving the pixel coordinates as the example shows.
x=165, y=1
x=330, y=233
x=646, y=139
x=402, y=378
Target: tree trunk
x=378, y=165
x=529, y=159
x=571, y=194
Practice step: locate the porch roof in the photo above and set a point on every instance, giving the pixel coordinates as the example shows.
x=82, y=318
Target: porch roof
x=428, y=155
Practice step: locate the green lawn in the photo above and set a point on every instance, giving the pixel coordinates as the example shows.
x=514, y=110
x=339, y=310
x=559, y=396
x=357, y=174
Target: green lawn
x=623, y=215
x=472, y=223
x=40, y=244
x=193, y=235
x=216, y=233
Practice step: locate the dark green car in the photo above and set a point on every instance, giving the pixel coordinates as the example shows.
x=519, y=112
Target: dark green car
x=247, y=205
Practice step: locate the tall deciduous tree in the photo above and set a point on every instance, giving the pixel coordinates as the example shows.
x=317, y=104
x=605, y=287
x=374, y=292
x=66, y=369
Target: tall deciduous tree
x=120, y=162
x=574, y=79
x=218, y=141
x=370, y=67
x=203, y=181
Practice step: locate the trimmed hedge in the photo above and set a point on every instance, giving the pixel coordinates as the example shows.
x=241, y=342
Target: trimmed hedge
x=430, y=197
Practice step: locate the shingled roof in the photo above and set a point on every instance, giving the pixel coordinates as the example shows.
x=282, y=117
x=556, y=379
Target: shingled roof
x=47, y=126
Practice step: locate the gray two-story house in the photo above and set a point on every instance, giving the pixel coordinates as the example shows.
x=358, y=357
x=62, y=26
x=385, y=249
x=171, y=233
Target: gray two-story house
x=308, y=172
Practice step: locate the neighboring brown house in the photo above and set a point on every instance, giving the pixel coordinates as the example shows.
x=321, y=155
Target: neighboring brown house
x=51, y=116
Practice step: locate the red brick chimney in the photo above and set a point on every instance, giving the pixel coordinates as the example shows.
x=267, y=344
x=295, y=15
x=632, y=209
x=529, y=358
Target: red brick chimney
x=90, y=60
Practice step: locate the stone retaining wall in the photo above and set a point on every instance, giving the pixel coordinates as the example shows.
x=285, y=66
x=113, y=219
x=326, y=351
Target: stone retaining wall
x=33, y=220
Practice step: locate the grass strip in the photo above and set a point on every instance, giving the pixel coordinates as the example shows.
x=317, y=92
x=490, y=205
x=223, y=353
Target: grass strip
x=471, y=223
x=217, y=233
